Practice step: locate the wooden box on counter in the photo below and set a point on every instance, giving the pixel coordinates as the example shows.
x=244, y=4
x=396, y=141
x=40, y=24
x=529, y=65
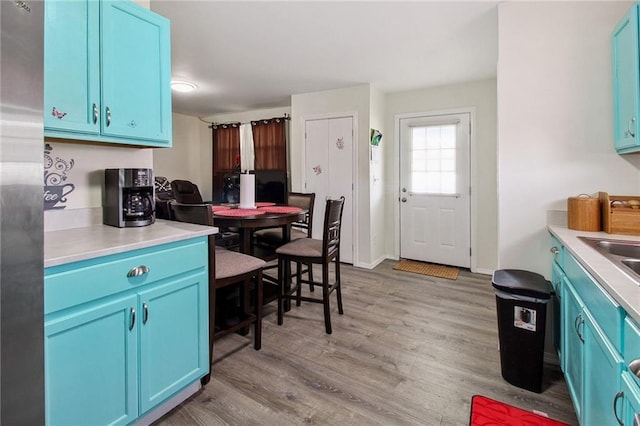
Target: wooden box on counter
x=584, y=213
x=620, y=214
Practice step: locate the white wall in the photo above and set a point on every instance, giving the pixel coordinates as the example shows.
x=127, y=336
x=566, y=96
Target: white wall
x=331, y=102
x=190, y=157
x=377, y=178
x=482, y=96
x=555, y=119
x=82, y=165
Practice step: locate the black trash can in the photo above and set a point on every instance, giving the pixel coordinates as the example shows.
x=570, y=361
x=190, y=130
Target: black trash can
x=521, y=304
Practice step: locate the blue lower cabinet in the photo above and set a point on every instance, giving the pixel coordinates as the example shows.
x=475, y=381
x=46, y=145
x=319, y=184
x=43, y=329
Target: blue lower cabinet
x=556, y=306
x=116, y=346
x=591, y=345
x=91, y=366
x=573, y=346
x=601, y=378
x=627, y=405
x=174, y=336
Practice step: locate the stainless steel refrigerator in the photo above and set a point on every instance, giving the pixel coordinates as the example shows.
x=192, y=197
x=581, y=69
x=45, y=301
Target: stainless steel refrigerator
x=21, y=213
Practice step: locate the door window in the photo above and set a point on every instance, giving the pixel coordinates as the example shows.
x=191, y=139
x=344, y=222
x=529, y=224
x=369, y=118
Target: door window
x=433, y=159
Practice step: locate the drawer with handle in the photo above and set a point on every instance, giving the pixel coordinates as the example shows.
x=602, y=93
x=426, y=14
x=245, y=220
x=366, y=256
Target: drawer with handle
x=80, y=282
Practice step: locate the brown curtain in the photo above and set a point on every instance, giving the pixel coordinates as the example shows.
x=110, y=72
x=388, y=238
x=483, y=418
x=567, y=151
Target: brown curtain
x=226, y=147
x=270, y=144
x=226, y=155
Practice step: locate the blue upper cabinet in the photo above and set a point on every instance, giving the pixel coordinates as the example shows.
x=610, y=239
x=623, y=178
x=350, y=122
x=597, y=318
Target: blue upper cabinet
x=626, y=83
x=136, y=77
x=72, y=62
x=107, y=73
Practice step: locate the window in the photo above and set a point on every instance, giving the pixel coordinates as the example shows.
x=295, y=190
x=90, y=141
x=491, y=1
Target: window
x=433, y=159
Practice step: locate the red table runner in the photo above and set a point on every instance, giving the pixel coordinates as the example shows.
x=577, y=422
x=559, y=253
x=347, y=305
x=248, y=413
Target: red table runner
x=218, y=208
x=280, y=209
x=240, y=212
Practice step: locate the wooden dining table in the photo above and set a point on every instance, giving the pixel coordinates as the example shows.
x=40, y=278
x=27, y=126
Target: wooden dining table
x=263, y=217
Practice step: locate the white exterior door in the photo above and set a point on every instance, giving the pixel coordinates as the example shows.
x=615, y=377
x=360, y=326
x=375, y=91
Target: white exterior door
x=435, y=189
x=329, y=173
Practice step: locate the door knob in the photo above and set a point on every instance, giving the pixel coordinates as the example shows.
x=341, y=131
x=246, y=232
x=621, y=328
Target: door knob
x=404, y=199
x=404, y=189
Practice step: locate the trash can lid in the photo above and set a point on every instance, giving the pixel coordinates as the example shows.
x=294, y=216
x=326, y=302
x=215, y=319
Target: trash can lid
x=523, y=283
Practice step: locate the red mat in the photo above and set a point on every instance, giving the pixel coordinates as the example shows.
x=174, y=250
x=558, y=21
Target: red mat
x=488, y=412
x=239, y=212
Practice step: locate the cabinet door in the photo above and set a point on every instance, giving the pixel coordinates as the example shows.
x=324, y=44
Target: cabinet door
x=136, y=73
x=573, y=327
x=631, y=397
x=556, y=306
x=72, y=66
x=602, y=368
x=174, y=338
x=91, y=365
x=626, y=82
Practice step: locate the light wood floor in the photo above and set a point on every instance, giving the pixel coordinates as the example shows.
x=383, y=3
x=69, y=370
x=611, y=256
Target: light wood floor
x=409, y=349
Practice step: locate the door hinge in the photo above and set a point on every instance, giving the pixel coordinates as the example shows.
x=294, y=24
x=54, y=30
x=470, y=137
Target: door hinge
x=469, y=251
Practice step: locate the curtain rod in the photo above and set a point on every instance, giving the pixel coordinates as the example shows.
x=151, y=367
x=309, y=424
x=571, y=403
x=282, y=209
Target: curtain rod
x=237, y=123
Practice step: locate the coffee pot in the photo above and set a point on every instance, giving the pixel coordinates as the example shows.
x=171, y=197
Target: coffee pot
x=128, y=198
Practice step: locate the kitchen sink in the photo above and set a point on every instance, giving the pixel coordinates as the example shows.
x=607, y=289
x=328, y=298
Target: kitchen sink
x=624, y=254
x=619, y=248
x=634, y=264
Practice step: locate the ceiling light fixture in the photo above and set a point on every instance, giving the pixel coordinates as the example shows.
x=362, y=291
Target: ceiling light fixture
x=182, y=86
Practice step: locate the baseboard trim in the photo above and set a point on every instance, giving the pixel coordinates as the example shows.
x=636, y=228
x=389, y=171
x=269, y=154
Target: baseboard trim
x=169, y=404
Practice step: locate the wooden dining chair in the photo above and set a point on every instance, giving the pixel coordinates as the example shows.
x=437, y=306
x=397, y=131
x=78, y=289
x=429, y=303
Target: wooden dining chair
x=302, y=229
x=272, y=238
x=227, y=268
x=312, y=251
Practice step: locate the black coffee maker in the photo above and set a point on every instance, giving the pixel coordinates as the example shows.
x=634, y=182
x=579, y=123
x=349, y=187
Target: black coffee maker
x=128, y=198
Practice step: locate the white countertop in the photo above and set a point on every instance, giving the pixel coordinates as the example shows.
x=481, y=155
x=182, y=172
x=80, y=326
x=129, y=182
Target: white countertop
x=72, y=245
x=624, y=289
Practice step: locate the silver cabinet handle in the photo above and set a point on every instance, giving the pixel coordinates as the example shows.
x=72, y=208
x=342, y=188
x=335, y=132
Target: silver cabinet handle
x=95, y=113
x=145, y=313
x=555, y=250
x=577, y=323
x=108, y=116
x=619, y=395
x=137, y=271
x=629, y=131
x=133, y=319
x=404, y=199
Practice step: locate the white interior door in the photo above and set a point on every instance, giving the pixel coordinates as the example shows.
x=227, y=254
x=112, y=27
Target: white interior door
x=329, y=173
x=435, y=189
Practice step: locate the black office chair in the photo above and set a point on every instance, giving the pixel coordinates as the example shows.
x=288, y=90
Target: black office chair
x=311, y=251
x=186, y=192
x=226, y=268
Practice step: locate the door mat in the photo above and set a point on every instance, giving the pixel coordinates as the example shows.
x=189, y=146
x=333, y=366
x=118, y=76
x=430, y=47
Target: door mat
x=486, y=411
x=431, y=269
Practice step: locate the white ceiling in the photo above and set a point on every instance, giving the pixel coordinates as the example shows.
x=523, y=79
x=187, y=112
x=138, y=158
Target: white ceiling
x=252, y=55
